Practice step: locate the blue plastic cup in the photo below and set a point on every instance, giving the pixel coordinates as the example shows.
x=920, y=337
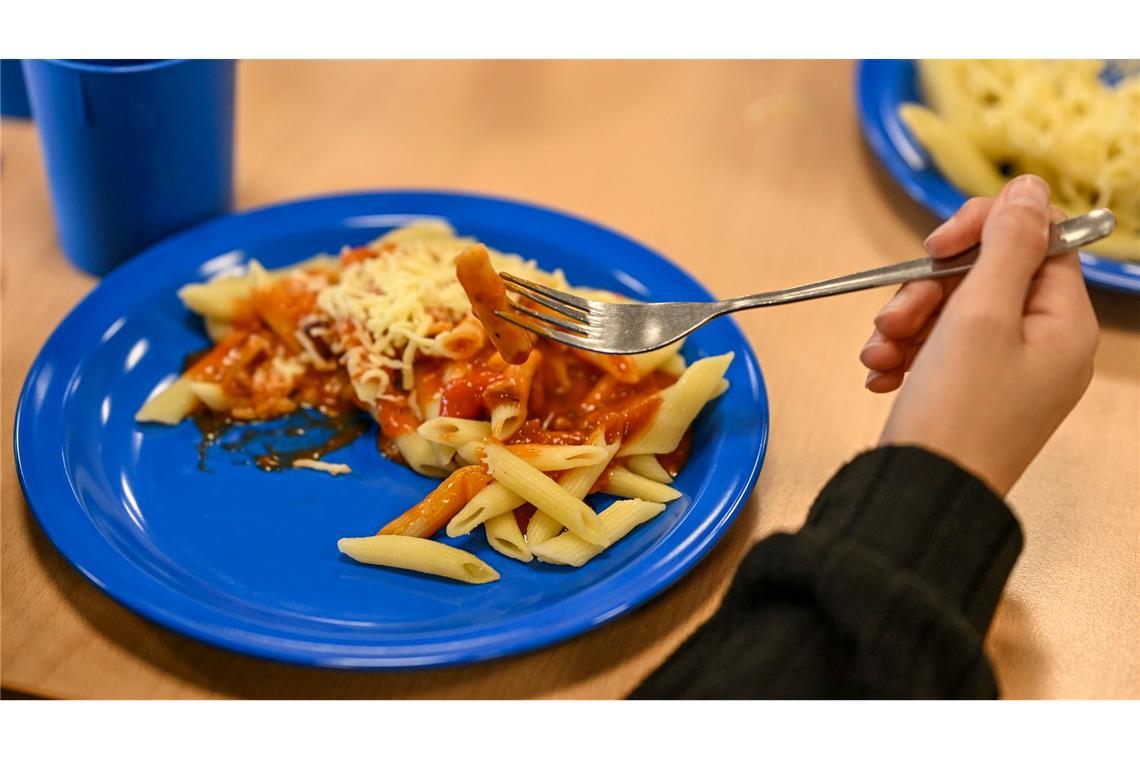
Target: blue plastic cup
x=13, y=96
x=135, y=150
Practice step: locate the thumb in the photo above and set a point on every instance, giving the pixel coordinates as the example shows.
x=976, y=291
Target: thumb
x=1014, y=239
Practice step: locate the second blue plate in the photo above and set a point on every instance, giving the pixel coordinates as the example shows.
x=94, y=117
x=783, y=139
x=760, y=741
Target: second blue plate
x=882, y=86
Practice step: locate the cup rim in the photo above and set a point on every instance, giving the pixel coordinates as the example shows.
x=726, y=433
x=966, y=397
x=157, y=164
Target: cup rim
x=96, y=68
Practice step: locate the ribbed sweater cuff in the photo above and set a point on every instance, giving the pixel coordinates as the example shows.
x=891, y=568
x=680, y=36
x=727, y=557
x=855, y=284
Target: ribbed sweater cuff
x=929, y=517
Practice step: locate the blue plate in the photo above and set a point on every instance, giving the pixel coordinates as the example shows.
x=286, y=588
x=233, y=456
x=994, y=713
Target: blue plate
x=246, y=559
x=885, y=85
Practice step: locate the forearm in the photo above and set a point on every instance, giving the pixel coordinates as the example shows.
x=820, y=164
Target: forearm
x=887, y=591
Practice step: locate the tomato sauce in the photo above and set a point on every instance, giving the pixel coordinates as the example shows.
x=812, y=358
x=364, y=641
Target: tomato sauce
x=463, y=396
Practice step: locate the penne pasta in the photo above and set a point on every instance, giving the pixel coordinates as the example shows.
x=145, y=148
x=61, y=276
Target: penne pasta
x=441, y=505
x=423, y=456
x=171, y=405
x=221, y=298
x=680, y=404
x=647, y=466
x=674, y=365
x=212, y=395
x=504, y=536
x=545, y=494
x=464, y=340
x=508, y=396
x=488, y=295
x=420, y=555
x=494, y=500
x=547, y=457
x=542, y=527
x=577, y=483
x=618, y=519
x=618, y=481
x=645, y=363
x=454, y=431
x=506, y=418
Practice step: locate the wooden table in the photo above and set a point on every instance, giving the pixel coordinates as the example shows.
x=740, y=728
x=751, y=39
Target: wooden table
x=749, y=174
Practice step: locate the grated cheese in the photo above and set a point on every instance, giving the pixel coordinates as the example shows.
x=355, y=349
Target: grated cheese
x=332, y=468
x=388, y=310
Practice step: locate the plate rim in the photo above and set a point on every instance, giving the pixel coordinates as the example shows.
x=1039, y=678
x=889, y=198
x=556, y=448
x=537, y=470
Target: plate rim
x=97, y=569
x=934, y=192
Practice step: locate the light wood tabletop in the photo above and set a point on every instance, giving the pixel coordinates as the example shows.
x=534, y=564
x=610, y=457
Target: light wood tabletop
x=700, y=161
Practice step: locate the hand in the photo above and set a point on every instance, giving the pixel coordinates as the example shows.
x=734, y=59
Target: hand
x=997, y=358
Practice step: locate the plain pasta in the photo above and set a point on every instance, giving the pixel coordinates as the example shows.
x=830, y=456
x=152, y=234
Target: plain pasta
x=420, y=555
x=647, y=466
x=220, y=298
x=577, y=483
x=170, y=405
x=423, y=456
x=618, y=519
x=680, y=404
x=544, y=493
x=619, y=481
x=494, y=500
x=504, y=536
x=212, y=395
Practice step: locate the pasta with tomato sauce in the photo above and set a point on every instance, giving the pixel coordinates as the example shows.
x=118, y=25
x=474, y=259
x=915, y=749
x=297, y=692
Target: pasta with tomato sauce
x=404, y=329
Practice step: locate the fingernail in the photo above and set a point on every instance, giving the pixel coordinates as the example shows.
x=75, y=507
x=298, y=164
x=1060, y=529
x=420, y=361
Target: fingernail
x=1029, y=190
x=938, y=232
x=871, y=376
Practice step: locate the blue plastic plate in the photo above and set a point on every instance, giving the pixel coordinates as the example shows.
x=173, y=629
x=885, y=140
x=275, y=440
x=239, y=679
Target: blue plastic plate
x=247, y=559
x=885, y=85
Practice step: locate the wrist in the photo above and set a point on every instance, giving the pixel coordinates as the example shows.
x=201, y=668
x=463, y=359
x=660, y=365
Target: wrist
x=982, y=456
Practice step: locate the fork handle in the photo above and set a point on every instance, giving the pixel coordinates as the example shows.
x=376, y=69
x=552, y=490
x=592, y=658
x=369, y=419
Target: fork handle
x=1063, y=236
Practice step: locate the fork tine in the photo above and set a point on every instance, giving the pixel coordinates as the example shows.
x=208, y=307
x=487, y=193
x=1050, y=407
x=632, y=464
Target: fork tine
x=565, y=324
x=565, y=309
x=557, y=295
x=558, y=336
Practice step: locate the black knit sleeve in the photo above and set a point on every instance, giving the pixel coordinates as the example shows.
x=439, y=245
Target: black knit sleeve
x=887, y=591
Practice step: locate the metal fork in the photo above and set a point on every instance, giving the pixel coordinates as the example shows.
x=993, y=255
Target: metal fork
x=634, y=328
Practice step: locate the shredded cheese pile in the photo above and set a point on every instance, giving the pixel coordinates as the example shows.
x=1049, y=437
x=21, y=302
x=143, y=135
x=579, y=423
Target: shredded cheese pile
x=385, y=311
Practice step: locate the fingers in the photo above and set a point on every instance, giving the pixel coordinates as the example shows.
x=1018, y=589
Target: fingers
x=1014, y=237
x=885, y=382
x=1059, y=285
x=960, y=231
x=906, y=313
x=881, y=353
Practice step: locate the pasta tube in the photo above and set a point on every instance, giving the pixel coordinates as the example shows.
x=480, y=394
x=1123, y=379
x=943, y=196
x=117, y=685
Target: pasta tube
x=504, y=536
x=543, y=493
x=487, y=295
x=454, y=431
x=419, y=554
x=170, y=405
x=448, y=498
x=619, y=481
x=647, y=466
x=680, y=404
x=508, y=396
x=618, y=519
x=494, y=500
x=577, y=483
